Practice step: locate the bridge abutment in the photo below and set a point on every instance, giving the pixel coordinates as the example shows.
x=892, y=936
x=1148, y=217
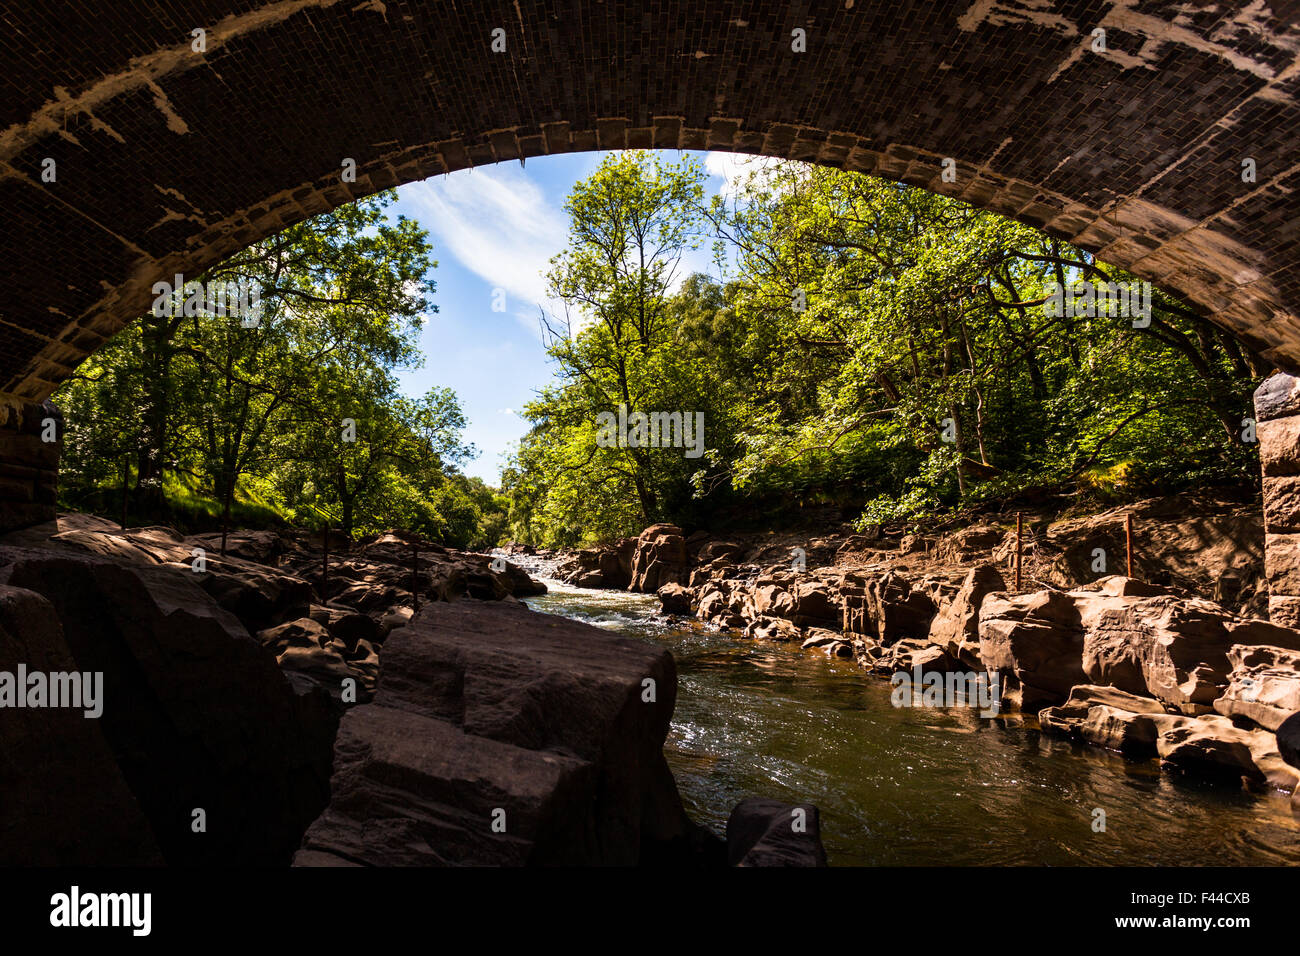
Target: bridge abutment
x=1277, y=426
x=31, y=437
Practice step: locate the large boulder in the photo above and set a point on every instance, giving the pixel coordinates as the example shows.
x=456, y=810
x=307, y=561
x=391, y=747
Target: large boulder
x=63, y=798
x=1037, y=640
x=196, y=713
x=773, y=629
x=499, y=735
x=773, y=600
x=1174, y=649
x=916, y=656
x=1288, y=739
x=1106, y=717
x=726, y=603
x=762, y=832
x=1213, y=747
x=830, y=642
x=607, y=566
x=814, y=604
x=660, y=558
x=675, y=599
x=897, y=610
x=883, y=609
x=715, y=550
x=956, y=628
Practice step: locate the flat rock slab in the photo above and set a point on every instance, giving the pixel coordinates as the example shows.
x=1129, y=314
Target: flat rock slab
x=502, y=736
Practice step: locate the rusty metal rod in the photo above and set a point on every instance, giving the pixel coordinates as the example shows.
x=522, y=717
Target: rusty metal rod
x=1128, y=541
x=1019, y=531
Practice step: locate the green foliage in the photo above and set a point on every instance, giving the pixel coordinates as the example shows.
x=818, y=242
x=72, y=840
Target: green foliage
x=870, y=343
x=216, y=422
x=868, y=347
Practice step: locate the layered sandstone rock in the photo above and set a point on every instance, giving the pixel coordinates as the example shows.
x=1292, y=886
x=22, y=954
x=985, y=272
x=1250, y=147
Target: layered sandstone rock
x=1169, y=648
x=1263, y=685
x=1036, y=638
x=956, y=627
x=675, y=599
x=660, y=558
x=65, y=800
x=603, y=567
x=1106, y=717
x=773, y=629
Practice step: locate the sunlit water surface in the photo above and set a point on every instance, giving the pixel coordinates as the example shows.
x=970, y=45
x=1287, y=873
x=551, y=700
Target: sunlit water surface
x=906, y=786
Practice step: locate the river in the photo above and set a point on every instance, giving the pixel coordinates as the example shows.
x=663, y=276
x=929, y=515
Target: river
x=917, y=786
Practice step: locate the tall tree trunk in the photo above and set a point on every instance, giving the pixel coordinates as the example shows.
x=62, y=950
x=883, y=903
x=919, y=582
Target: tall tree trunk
x=979, y=395
x=953, y=409
x=959, y=433
x=155, y=346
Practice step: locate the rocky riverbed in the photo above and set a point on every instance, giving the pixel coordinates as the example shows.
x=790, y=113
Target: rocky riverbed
x=1175, y=664
x=917, y=785
x=388, y=701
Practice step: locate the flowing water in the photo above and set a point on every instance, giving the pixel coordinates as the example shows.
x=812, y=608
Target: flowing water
x=924, y=785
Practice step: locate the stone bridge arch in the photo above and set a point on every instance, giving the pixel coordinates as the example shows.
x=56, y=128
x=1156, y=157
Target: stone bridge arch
x=172, y=149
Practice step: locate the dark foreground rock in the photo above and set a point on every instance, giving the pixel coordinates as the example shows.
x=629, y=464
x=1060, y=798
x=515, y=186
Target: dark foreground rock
x=501, y=736
x=762, y=832
x=324, y=626
x=196, y=717
x=64, y=797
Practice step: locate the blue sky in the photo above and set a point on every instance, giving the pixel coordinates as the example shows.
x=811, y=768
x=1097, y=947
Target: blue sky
x=497, y=227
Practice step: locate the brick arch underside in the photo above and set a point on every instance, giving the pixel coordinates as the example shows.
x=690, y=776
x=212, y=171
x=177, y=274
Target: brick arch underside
x=169, y=160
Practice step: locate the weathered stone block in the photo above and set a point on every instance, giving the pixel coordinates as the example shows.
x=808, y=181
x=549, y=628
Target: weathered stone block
x=1279, y=446
x=1282, y=563
x=1282, y=504
x=1284, y=609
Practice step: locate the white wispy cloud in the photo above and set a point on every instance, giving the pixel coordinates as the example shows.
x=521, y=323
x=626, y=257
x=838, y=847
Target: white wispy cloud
x=733, y=169
x=499, y=225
